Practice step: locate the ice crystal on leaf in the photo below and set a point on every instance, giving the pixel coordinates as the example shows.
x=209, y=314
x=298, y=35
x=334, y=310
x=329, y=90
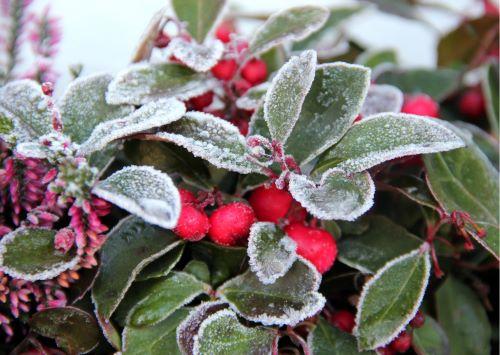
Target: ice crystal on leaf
x=196, y=56
x=253, y=97
x=382, y=98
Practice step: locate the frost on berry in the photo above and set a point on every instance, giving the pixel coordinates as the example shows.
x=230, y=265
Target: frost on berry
x=210, y=138
x=145, y=192
x=337, y=196
x=199, y=57
x=271, y=252
x=253, y=97
x=284, y=98
x=382, y=98
x=152, y=115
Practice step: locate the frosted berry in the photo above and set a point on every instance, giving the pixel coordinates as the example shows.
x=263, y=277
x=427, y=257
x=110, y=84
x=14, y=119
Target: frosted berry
x=314, y=244
x=193, y=224
x=198, y=103
x=254, y=71
x=223, y=32
x=402, y=343
x=422, y=105
x=187, y=196
x=242, y=125
x=242, y=86
x=344, y=320
x=231, y=223
x=472, y=104
x=418, y=321
x=225, y=69
x=162, y=40
x=270, y=204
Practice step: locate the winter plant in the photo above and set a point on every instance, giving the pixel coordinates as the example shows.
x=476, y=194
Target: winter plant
x=224, y=195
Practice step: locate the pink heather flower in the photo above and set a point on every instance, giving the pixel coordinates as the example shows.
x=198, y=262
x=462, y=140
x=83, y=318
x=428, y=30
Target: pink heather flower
x=64, y=240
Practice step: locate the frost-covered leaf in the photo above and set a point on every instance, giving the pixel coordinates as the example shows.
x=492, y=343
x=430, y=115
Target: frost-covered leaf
x=490, y=88
x=388, y=136
x=375, y=59
x=430, y=339
x=382, y=98
x=164, y=296
x=74, y=330
x=464, y=180
x=458, y=307
x=32, y=150
x=199, y=15
x=484, y=141
x=383, y=241
x=291, y=24
x=289, y=300
x=84, y=106
x=199, y=57
x=390, y=300
x=131, y=246
x=156, y=339
x=143, y=191
x=152, y=115
x=330, y=108
x=109, y=331
x=24, y=110
x=161, y=266
x=271, y=252
x=253, y=97
x=337, y=196
x=326, y=339
x=210, y=138
x=284, y=98
x=222, y=333
x=29, y=254
x=258, y=125
x=143, y=82
x=188, y=329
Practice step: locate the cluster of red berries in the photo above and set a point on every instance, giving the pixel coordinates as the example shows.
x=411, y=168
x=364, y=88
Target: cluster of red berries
x=403, y=341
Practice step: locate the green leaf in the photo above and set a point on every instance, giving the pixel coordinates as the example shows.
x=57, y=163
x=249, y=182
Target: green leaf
x=152, y=115
x=145, y=192
x=252, y=99
x=130, y=246
x=199, y=57
x=199, y=15
x=390, y=300
x=198, y=269
x=29, y=254
x=155, y=339
x=382, y=98
x=162, y=266
x=328, y=340
x=210, y=138
x=222, y=333
x=283, y=101
x=387, y=136
x=373, y=59
x=83, y=106
x=490, y=86
x=271, y=252
x=329, y=109
x=142, y=83
x=458, y=308
x=164, y=296
x=258, y=125
x=274, y=58
x=289, y=300
x=103, y=158
x=6, y=124
x=437, y=83
x=291, y=24
x=337, y=196
x=110, y=332
x=464, y=180
x=74, y=330
x=484, y=141
x=383, y=241
x=430, y=339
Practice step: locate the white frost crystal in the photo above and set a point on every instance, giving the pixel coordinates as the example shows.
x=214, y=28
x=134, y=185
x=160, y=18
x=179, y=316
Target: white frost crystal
x=199, y=57
x=382, y=98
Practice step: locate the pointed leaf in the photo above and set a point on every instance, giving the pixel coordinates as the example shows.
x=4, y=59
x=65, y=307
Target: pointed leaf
x=83, y=106
x=390, y=300
x=338, y=195
x=286, y=94
x=162, y=266
x=289, y=300
x=131, y=246
x=388, y=136
x=142, y=83
x=196, y=56
x=213, y=139
x=258, y=125
x=490, y=88
x=199, y=15
x=198, y=269
x=152, y=115
x=29, y=254
x=382, y=98
x=222, y=333
x=330, y=108
x=291, y=24
x=143, y=191
x=430, y=339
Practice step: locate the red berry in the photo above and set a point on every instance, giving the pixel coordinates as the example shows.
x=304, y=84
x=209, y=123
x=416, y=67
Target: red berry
x=422, y=105
x=358, y=118
x=385, y=351
x=162, y=40
x=231, y=223
x=418, y=321
x=225, y=69
x=187, y=196
x=242, y=86
x=193, y=224
x=242, y=125
x=314, y=244
x=344, y=320
x=402, y=343
x=490, y=8
x=200, y=102
x=255, y=71
x=270, y=204
x=223, y=32
x=241, y=46
x=296, y=213
x=472, y=104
